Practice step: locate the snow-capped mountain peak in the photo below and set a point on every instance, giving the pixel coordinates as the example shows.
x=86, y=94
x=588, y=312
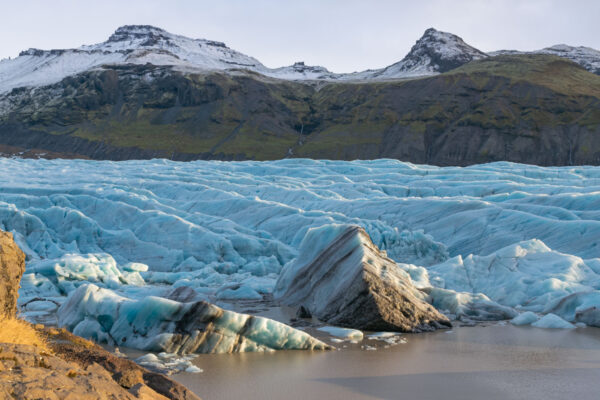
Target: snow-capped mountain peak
x=130, y=44
x=145, y=43
x=148, y=34
x=587, y=57
x=435, y=52
x=299, y=70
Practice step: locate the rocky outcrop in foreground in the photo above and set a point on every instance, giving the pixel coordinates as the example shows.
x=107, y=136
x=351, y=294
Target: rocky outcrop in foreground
x=158, y=324
x=343, y=279
x=46, y=363
x=74, y=368
x=28, y=373
x=12, y=266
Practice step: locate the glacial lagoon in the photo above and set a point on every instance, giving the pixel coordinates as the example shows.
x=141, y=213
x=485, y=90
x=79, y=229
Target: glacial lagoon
x=490, y=361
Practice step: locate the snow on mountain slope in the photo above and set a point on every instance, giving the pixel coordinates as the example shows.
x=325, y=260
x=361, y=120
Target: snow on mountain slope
x=39, y=68
x=434, y=52
x=140, y=44
x=137, y=44
x=587, y=57
x=300, y=71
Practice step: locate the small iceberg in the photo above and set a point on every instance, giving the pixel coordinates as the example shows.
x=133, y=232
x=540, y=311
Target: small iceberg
x=162, y=325
x=167, y=363
x=553, y=321
x=343, y=333
x=382, y=335
x=526, y=318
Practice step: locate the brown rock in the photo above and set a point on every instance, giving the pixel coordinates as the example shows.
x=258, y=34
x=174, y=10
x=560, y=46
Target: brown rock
x=128, y=378
x=65, y=380
x=144, y=392
x=12, y=266
x=61, y=380
x=123, y=372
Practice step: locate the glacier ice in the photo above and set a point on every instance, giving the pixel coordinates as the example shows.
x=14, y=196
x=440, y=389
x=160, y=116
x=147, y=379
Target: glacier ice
x=526, y=274
x=382, y=335
x=343, y=333
x=468, y=306
x=162, y=325
x=238, y=293
x=142, y=228
x=582, y=307
x=168, y=363
x=526, y=318
x=552, y=321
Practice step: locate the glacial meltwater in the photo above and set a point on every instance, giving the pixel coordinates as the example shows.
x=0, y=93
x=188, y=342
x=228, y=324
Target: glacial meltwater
x=485, y=362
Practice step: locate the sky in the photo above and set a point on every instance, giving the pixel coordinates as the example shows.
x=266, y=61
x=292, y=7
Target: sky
x=342, y=35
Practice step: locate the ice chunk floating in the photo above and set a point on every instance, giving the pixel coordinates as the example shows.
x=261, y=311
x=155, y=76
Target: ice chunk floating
x=485, y=242
x=344, y=333
x=162, y=325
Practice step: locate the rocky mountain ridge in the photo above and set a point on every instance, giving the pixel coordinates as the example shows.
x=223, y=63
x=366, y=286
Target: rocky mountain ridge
x=435, y=52
x=587, y=57
x=146, y=93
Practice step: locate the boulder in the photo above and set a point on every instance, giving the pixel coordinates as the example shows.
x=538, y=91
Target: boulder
x=343, y=279
x=12, y=266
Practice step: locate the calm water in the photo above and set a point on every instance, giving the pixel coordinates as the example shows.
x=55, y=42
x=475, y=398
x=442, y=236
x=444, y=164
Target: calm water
x=482, y=362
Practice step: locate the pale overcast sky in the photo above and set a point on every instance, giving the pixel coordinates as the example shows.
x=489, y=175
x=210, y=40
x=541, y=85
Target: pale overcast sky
x=342, y=35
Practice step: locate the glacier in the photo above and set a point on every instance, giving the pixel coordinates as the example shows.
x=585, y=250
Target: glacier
x=485, y=242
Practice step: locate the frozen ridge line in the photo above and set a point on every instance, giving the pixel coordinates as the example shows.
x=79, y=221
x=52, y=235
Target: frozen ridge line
x=484, y=241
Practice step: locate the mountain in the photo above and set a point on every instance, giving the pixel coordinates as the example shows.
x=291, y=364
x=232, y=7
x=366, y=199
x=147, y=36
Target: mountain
x=434, y=52
x=587, y=57
x=147, y=93
x=132, y=44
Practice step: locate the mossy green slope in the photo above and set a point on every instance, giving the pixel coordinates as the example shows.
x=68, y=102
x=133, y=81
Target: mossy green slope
x=527, y=108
